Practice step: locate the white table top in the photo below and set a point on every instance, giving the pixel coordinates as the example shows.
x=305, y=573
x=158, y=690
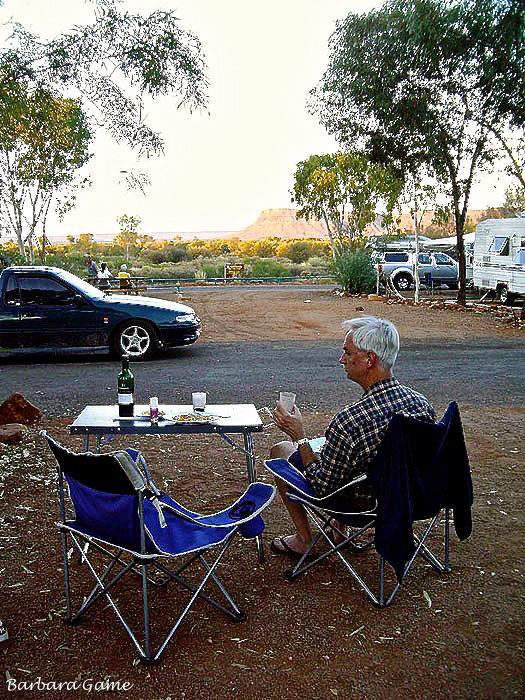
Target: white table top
x=225, y=418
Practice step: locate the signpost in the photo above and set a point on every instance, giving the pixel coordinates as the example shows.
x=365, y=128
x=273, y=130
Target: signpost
x=232, y=270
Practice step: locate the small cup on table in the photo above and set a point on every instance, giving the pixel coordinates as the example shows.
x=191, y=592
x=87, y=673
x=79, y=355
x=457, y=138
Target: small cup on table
x=198, y=400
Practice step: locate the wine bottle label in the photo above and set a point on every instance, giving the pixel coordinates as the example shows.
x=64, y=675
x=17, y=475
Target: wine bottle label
x=125, y=398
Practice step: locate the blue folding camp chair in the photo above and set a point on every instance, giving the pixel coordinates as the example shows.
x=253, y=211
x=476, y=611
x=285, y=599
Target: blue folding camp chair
x=420, y=469
x=120, y=515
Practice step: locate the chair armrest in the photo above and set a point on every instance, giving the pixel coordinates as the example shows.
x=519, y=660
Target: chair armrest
x=247, y=507
x=296, y=479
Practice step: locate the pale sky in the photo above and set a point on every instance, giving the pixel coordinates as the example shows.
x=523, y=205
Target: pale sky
x=218, y=171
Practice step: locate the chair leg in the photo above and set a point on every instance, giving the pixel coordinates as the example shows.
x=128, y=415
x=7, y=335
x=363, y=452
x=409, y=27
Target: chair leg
x=236, y=615
x=381, y=582
x=99, y=589
x=421, y=550
x=447, y=540
x=239, y=615
x=145, y=605
x=197, y=593
x=301, y=568
x=382, y=599
x=67, y=587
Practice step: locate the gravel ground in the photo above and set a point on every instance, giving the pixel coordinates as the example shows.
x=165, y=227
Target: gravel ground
x=453, y=636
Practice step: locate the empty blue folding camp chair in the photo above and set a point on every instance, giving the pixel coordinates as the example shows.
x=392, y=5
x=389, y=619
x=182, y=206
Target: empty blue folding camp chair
x=132, y=527
x=420, y=469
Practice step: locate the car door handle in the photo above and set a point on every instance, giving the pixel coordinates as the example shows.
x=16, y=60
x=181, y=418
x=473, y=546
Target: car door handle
x=28, y=316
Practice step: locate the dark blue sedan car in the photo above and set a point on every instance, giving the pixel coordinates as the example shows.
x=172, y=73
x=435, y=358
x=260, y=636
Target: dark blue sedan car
x=46, y=309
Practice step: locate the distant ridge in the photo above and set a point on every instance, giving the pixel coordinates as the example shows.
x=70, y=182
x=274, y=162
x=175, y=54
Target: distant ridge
x=282, y=223
x=406, y=223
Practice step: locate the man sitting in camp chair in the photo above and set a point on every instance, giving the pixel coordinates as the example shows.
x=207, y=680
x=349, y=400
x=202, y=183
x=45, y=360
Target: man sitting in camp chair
x=353, y=437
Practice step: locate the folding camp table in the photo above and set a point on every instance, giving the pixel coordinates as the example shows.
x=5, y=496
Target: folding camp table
x=103, y=422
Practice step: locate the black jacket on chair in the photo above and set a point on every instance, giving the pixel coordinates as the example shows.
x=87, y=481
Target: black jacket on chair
x=420, y=468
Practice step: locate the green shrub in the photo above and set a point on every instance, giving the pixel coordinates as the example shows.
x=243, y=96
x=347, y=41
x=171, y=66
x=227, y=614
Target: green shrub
x=213, y=270
x=154, y=257
x=167, y=270
x=355, y=271
x=267, y=267
x=316, y=265
x=10, y=257
x=298, y=251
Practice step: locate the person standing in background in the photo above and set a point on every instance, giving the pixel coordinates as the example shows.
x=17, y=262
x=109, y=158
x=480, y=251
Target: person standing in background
x=104, y=275
x=92, y=270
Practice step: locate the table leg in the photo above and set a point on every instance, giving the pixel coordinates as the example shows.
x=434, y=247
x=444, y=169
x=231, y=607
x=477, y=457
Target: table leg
x=252, y=476
x=87, y=441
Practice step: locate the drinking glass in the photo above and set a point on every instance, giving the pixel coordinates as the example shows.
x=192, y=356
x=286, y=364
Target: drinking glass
x=198, y=399
x=287, y=400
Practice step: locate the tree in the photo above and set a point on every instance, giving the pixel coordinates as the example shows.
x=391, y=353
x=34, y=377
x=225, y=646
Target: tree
x=344, y=189
x=428, y=82
x=111, y=66
x=114, y=64
x=515, y=199
x=513, y=205
x=44, y=141
x=128, y=238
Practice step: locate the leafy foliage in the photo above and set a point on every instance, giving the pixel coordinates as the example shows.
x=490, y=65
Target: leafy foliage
x=44, y=141
x=114, y=63
x=515, y=199
x=110, y=66
x=269, y=268
x=355, y=271
x=428, y=82
x=344, y=189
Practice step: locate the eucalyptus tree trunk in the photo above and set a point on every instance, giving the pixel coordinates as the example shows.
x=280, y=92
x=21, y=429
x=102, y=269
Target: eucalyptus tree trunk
x=416, y=260
x=333, y=245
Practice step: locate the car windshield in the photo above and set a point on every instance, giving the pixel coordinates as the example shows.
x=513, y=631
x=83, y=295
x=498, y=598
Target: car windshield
x=82, y=286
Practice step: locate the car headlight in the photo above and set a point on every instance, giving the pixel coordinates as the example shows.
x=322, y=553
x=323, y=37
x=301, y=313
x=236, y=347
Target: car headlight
x=185, y=317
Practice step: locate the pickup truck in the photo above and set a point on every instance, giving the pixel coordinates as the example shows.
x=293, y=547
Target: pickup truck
x=399, y=268
x=46, y=309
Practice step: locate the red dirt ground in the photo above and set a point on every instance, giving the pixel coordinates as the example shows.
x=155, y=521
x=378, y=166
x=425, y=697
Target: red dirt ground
x=447, y=636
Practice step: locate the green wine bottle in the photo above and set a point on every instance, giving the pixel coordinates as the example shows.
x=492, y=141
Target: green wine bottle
x=126, y=386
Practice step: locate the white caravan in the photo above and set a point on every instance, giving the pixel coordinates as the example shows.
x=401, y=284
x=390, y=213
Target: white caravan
x=499, y=257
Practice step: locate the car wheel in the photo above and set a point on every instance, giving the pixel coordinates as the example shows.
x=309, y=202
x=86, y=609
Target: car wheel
x=137, y=339
x=402, y=282
x=505, y=296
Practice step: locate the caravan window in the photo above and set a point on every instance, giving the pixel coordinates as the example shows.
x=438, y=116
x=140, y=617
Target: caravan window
x=396, y=257
x=520, y=257
x=500, y=245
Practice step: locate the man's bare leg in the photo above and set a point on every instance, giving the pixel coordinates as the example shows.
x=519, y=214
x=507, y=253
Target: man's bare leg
x=300, y=541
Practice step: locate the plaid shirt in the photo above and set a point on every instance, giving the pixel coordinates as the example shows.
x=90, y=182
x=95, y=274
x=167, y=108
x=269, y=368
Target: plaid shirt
x=355, y=433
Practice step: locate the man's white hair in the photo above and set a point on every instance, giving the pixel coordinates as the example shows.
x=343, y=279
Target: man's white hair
x=376, y=335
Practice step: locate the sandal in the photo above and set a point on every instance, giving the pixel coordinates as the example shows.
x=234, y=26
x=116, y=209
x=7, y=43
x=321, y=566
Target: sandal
x=279, y=546
x=334, y=534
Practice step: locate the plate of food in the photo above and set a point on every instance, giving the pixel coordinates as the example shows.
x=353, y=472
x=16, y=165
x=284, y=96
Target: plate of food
x=192, y=417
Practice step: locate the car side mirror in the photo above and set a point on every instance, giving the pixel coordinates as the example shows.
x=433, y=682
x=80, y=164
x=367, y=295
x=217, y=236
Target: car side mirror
x=78, y=300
